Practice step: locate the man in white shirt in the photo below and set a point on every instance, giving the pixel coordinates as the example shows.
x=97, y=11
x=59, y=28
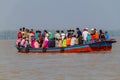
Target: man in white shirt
x=62, y=35
x=85, y=34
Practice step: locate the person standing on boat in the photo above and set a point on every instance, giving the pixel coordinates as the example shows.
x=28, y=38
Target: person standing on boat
x=79, y=39
x=88, y=40
x=23, y=30
x=43, y=34
x=72, y=33
x=45, y=43
x=30, y=38
x=85, y=34
x=79, y=33
x=96, y=35
x=36, y=35
x=19, y=35
x=62, y=34
x=107, y=38
x=57, y=37
x=67, y=33
x=32, y=31
x=40, y=38
x=101, y=35
x=32, y=41
x=57, y=34
x=50, y=36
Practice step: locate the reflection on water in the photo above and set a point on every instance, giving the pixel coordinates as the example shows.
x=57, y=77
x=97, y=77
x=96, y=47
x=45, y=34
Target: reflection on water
x=101, y=66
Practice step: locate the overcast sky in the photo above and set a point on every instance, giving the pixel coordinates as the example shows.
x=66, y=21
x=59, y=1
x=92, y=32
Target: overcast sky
x=59, y=14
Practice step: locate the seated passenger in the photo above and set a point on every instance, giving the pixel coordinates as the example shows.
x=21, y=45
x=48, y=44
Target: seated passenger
x=68, y=41
x=60, y=42
x=40, y=41
x=76, y=42
x=18, y=42
x=24, y=42
x=36, y=44
x=45, y=43
x=64, y=42
x=56, y=42
x=51, y=43
x=73, y=40
x=32, y=42
x=93, y=37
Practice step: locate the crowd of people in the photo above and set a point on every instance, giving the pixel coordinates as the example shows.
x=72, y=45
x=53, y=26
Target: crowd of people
x=46, y=39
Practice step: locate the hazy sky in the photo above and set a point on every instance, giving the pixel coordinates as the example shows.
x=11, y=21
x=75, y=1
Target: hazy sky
x=58, y=14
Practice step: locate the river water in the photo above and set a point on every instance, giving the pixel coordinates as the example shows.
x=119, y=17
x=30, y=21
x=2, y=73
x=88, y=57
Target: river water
x=90, y=66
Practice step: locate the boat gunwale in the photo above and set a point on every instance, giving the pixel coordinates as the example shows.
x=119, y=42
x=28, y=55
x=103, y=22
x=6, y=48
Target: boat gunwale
x=59, y=49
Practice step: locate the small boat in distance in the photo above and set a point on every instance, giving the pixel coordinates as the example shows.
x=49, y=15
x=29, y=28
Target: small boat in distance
x=90, y=47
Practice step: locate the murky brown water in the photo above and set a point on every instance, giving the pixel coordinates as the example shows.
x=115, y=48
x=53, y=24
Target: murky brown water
x=101, y=66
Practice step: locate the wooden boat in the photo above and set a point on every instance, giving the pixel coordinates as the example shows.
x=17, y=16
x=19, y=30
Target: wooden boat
x=90, y=47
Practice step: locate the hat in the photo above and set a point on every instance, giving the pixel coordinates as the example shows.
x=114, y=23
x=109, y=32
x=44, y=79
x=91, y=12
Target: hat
x=92, y=29
x=86, y=28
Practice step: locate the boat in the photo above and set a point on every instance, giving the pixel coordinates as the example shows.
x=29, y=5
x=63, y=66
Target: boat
x=89, y=47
